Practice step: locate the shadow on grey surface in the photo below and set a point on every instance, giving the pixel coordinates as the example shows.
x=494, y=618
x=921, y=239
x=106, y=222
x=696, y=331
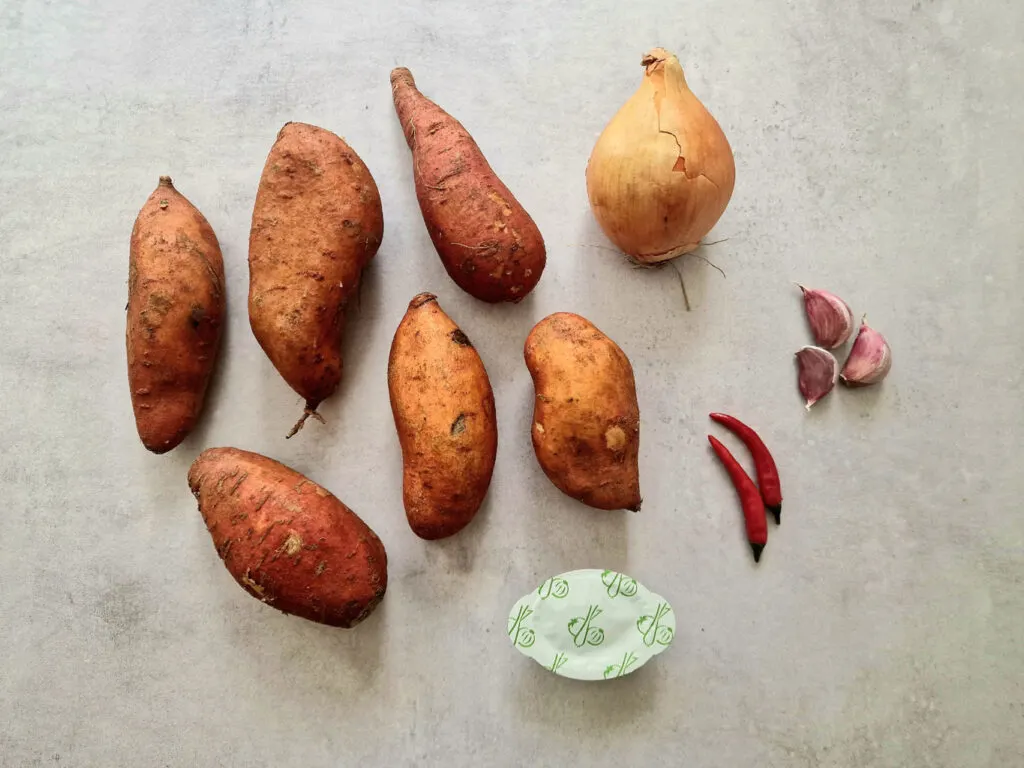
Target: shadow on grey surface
x=198, y=439
x=456, y=554
x=362, y=312
x=865, y=399
x=689, y=272
x=573, y=534
x=579, y=707
x=441, y=569
x=176, y=462
x=306, y=655
x=601, y=540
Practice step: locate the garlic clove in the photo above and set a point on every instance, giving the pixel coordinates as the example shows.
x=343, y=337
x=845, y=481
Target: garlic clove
x=829, y=316
x=818, y=373
x=870, y=358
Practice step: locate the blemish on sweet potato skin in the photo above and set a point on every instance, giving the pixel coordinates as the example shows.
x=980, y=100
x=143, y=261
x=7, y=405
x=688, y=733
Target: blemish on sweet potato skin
x=460, y=338
x=262, y=525
x=443, y=406
x=175, y=316
x=586, y=421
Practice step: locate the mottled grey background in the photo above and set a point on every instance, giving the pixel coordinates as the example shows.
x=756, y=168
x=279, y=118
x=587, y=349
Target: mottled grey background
x=878, y=153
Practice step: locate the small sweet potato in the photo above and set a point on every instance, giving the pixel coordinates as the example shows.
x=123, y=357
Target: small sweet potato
x=288, y=542
x=175, y=316
x=586, y=422
x=443, y=406
x=316, y=224
x=486, y=240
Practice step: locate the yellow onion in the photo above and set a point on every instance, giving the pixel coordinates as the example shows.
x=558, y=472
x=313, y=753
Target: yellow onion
x=661, y=173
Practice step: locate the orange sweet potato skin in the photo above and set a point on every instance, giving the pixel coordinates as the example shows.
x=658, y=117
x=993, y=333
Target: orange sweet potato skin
x=316, y=224
x=487, y=241
x=586, y=421
x=175, y=316
x=287, y=541
x=443, y=406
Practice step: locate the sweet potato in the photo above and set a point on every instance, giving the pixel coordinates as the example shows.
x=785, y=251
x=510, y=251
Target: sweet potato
x=316, y=224
x=443, y=406
x=486, y=240
x=175, y=315
x=586, y=422
x=288, y=542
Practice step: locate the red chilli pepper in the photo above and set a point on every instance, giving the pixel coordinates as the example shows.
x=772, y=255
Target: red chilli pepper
x=767, y=473
x=750, y=497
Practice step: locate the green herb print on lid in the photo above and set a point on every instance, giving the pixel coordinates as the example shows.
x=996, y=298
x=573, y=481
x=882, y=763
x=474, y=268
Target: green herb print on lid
x=594, y=624
x=521, y=635
x=553, y=587
x=622, y=668
x=582, y=628
x=618, y=584
x=653, y=629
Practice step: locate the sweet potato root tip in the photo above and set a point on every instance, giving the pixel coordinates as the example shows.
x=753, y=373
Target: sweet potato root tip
x=421, y=299
x=160, y=448
x=402, y=76
x=306, y=413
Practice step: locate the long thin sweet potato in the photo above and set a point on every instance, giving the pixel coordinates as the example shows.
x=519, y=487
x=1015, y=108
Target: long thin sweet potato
x=316, y=224
x=486, y=240
x=286, y=541
x=175, y=316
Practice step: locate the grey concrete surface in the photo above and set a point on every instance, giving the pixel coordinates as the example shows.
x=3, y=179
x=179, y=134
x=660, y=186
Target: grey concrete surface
x=878, y=150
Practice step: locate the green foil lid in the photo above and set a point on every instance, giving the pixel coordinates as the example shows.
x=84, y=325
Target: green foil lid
x=591, y=624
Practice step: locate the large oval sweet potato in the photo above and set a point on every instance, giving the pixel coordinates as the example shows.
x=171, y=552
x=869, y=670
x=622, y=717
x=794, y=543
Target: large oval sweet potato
x=287, y=541
x=316, y=224
x=586, y=421
x=443, y=406
x=175, y=316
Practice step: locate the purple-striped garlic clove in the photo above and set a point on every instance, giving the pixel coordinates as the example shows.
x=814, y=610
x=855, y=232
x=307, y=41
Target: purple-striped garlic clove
x=829, y=316
x=870, y=358
x=818, y=371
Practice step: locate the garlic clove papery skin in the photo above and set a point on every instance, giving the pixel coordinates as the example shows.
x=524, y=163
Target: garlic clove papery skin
x=870, y=358
x=662, y=171
x=818, y=371
x=829, y=316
